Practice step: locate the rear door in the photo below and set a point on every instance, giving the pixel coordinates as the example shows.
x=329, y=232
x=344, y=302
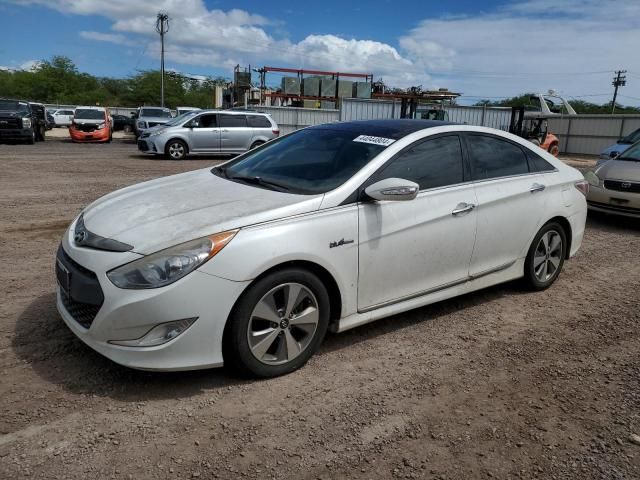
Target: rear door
x=511, y=202
x=205, y=135
x=235, y=134
x=412, y=248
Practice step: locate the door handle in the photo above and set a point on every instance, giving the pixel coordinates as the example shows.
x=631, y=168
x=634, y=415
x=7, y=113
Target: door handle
x=462, y=208
x=225, y=130
x=537, y=187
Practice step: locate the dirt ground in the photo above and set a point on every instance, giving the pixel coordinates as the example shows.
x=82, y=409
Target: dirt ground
x=497, y=384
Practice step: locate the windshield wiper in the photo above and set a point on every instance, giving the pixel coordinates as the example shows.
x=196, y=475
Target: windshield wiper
x=261, y=182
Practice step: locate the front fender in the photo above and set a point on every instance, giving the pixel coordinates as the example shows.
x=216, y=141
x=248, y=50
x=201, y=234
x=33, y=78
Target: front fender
x=328, y=238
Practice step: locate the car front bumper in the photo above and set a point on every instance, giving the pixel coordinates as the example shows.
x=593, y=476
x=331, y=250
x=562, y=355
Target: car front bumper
x=15, y=134
x=146, y=145
x=101, y=135
x=130, y=314
x=617, y=202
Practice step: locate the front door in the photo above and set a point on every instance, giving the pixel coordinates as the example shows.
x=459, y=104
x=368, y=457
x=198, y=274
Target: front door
x=412, y=248
x=205, y=135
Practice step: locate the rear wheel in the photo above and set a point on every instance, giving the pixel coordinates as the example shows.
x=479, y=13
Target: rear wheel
x=256, y=144
x=546, y=257
x=176, y=150
x=277, y=324
x=554, y=149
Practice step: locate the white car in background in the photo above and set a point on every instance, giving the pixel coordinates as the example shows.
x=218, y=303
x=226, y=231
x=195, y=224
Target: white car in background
x=63, y=117
x=330, y=227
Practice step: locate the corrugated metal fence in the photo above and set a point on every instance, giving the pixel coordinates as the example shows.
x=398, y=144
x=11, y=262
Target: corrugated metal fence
x=590, y=134
x=581, y=134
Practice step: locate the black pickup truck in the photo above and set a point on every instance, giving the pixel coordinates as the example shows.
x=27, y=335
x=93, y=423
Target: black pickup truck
x=18, y=122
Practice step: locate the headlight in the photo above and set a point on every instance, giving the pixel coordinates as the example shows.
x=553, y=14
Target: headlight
x=157, y=132
x=101, y=126
x=592, y=178
x=167, y=266
x=142, y=124
x=26, y=122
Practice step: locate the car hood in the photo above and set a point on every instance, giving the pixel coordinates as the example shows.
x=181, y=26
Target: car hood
x=616, y=147
x=13, y=114
x=164, y=212
x=620, y=170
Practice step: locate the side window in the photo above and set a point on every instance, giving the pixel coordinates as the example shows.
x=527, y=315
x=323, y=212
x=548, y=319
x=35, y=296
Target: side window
x=493, y=157
x=207, y=121
x=232, y=121
x=258, y=121
x=539, y=164
x=433, y=163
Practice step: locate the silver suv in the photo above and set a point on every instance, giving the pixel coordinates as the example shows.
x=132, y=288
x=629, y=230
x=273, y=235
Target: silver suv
x=209, y=131
x=149, y=117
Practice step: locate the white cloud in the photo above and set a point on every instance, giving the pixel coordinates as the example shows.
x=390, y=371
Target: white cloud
x=530, y=45
x=104, y=37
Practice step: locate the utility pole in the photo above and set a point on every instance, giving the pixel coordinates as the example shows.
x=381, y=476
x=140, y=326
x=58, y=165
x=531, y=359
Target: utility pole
x=620, y=80
x=162, y=27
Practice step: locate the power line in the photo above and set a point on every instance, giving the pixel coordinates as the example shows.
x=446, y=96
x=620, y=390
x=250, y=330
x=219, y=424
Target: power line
x=618, y=81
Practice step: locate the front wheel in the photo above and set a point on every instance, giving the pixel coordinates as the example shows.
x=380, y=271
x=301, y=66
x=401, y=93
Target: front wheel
x=277, y=324
x=32, y=139
x=176, y=150
x=554, y=149
x=546, y=257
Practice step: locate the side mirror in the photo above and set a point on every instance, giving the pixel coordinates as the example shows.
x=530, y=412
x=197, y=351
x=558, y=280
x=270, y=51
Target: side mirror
x=394, y=189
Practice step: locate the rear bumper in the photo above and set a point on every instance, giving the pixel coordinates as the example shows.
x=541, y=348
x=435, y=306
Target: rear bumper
x=15, y=134
x=101, y=135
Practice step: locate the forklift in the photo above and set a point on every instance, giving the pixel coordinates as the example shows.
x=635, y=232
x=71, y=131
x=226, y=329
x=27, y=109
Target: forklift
x=535, y=128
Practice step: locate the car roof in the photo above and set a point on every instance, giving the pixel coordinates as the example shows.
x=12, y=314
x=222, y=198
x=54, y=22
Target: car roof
x=151, y=106
x=100, y=109
x=235, y=112
x=395, y=129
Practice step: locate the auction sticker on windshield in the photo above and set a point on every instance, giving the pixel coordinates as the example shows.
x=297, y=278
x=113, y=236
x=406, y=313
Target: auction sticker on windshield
x=385, y=142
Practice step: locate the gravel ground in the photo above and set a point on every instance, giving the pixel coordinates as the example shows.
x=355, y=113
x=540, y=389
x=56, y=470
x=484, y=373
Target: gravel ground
x=500, y=383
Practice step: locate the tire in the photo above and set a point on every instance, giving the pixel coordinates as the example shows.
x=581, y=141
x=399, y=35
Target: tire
x=32, y=138
x=256, y=144
x=286, y=346
x=110, y=136
x=176, y=150
x=554, y=149
x=543, y=257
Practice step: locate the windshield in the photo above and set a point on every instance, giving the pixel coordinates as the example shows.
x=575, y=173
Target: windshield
x=155, y=112
x=309, y=161
x=633, y=137
x=631, y=154
x=13, y=106
x=87, y=114
x=180, y=118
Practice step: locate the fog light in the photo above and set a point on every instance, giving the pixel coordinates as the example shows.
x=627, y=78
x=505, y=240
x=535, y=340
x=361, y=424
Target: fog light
x=159, y=334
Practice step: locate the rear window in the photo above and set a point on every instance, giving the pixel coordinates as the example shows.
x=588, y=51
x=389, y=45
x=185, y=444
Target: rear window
x=258, y=121
x=539, y=164
x=232, y=121
x=155, y=112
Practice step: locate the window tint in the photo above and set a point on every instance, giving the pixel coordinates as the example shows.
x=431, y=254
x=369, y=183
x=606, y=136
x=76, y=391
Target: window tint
x=539, y=164
x=432, y=163
x=258, y=121
x=308, y=161
x=493, y=157
x=233, y=120
x=207, y=121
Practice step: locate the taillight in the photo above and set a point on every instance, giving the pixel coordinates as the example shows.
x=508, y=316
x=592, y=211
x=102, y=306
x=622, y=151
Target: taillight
x=583, y=186
x=275, y=132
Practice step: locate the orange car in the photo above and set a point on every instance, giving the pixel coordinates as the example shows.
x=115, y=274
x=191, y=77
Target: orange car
x=91, y=124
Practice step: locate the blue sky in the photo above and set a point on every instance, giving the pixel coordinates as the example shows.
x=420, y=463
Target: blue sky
x=483, y=49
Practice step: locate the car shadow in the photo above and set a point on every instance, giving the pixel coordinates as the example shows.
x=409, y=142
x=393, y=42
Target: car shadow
x=600, y=221
x=44, y=342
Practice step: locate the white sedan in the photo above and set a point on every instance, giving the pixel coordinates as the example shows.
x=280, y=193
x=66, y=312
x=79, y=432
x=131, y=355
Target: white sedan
x=331, y=227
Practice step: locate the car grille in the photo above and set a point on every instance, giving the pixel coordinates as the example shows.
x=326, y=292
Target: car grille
x=10, y=123
x=84, y=297
x=621, y=186
x=86, y=128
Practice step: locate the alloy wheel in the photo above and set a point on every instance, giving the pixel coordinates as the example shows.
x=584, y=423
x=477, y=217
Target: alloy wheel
x=283, y=324
x=548, y=256
x=176, y=151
